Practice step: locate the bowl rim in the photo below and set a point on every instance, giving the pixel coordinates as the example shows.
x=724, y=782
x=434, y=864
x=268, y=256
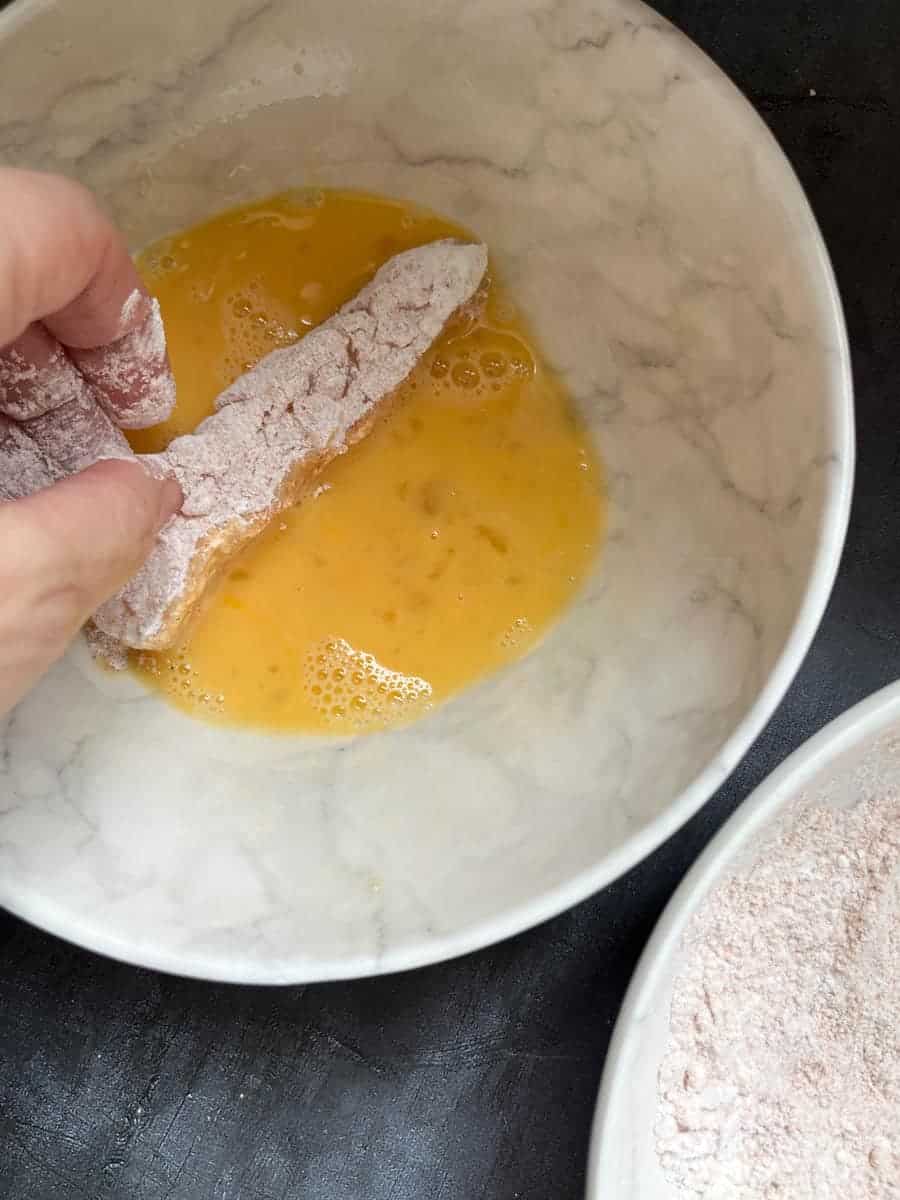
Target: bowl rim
x=858, y=724
x=429, y=949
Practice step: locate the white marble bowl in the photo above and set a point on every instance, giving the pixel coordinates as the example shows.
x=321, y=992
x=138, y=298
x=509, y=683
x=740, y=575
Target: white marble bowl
x=854, y=758
x=665, y=254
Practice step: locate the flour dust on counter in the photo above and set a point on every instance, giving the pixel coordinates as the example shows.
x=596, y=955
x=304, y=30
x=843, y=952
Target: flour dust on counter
x=436, y=550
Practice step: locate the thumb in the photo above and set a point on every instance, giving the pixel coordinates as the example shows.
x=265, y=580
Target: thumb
x=66, y=549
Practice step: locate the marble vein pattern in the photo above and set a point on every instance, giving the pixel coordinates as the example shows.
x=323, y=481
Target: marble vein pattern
x=658, y=243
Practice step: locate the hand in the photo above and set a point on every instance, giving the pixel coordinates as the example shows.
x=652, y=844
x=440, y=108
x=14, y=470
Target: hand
x=82, y=354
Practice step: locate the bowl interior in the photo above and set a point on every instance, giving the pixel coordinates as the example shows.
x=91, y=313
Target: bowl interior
x=663, y=252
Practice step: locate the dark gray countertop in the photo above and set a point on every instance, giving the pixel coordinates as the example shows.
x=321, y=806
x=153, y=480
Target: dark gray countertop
x=476, y=1078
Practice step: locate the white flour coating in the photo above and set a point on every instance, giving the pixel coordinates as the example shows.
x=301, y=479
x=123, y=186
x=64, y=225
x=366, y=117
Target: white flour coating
x=105, y=649
x=293, y=412
x=132, y=376
x=77, y=434
x=24, y=468
x=130, y=309
x=781, y=1079
x=27, y=390
x=63, y=428
x=60, y=424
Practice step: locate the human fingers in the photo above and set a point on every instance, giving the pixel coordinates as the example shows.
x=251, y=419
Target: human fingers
x=56, y=408
x=69, y=268
x=66, y=549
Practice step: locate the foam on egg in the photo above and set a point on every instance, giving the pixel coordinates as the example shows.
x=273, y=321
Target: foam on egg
x=470, y=364
x=251, y=331
x=179, y=678
x=520, y=629
x=349, y=688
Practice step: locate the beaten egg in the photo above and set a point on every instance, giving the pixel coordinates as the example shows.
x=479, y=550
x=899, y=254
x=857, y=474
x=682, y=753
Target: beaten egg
x=436, y=550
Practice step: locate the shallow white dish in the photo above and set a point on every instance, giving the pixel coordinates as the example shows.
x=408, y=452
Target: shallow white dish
x=661, y=246
x=623, y=1160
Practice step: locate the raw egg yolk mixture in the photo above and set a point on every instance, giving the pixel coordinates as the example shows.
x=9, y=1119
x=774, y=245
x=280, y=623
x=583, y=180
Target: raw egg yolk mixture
x=436, y=550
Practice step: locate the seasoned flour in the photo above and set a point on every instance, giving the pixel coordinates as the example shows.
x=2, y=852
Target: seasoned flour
x=781, y=1079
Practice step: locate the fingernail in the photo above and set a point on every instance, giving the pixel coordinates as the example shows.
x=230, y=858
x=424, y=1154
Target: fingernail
x=171, y=499
x=134, y=312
